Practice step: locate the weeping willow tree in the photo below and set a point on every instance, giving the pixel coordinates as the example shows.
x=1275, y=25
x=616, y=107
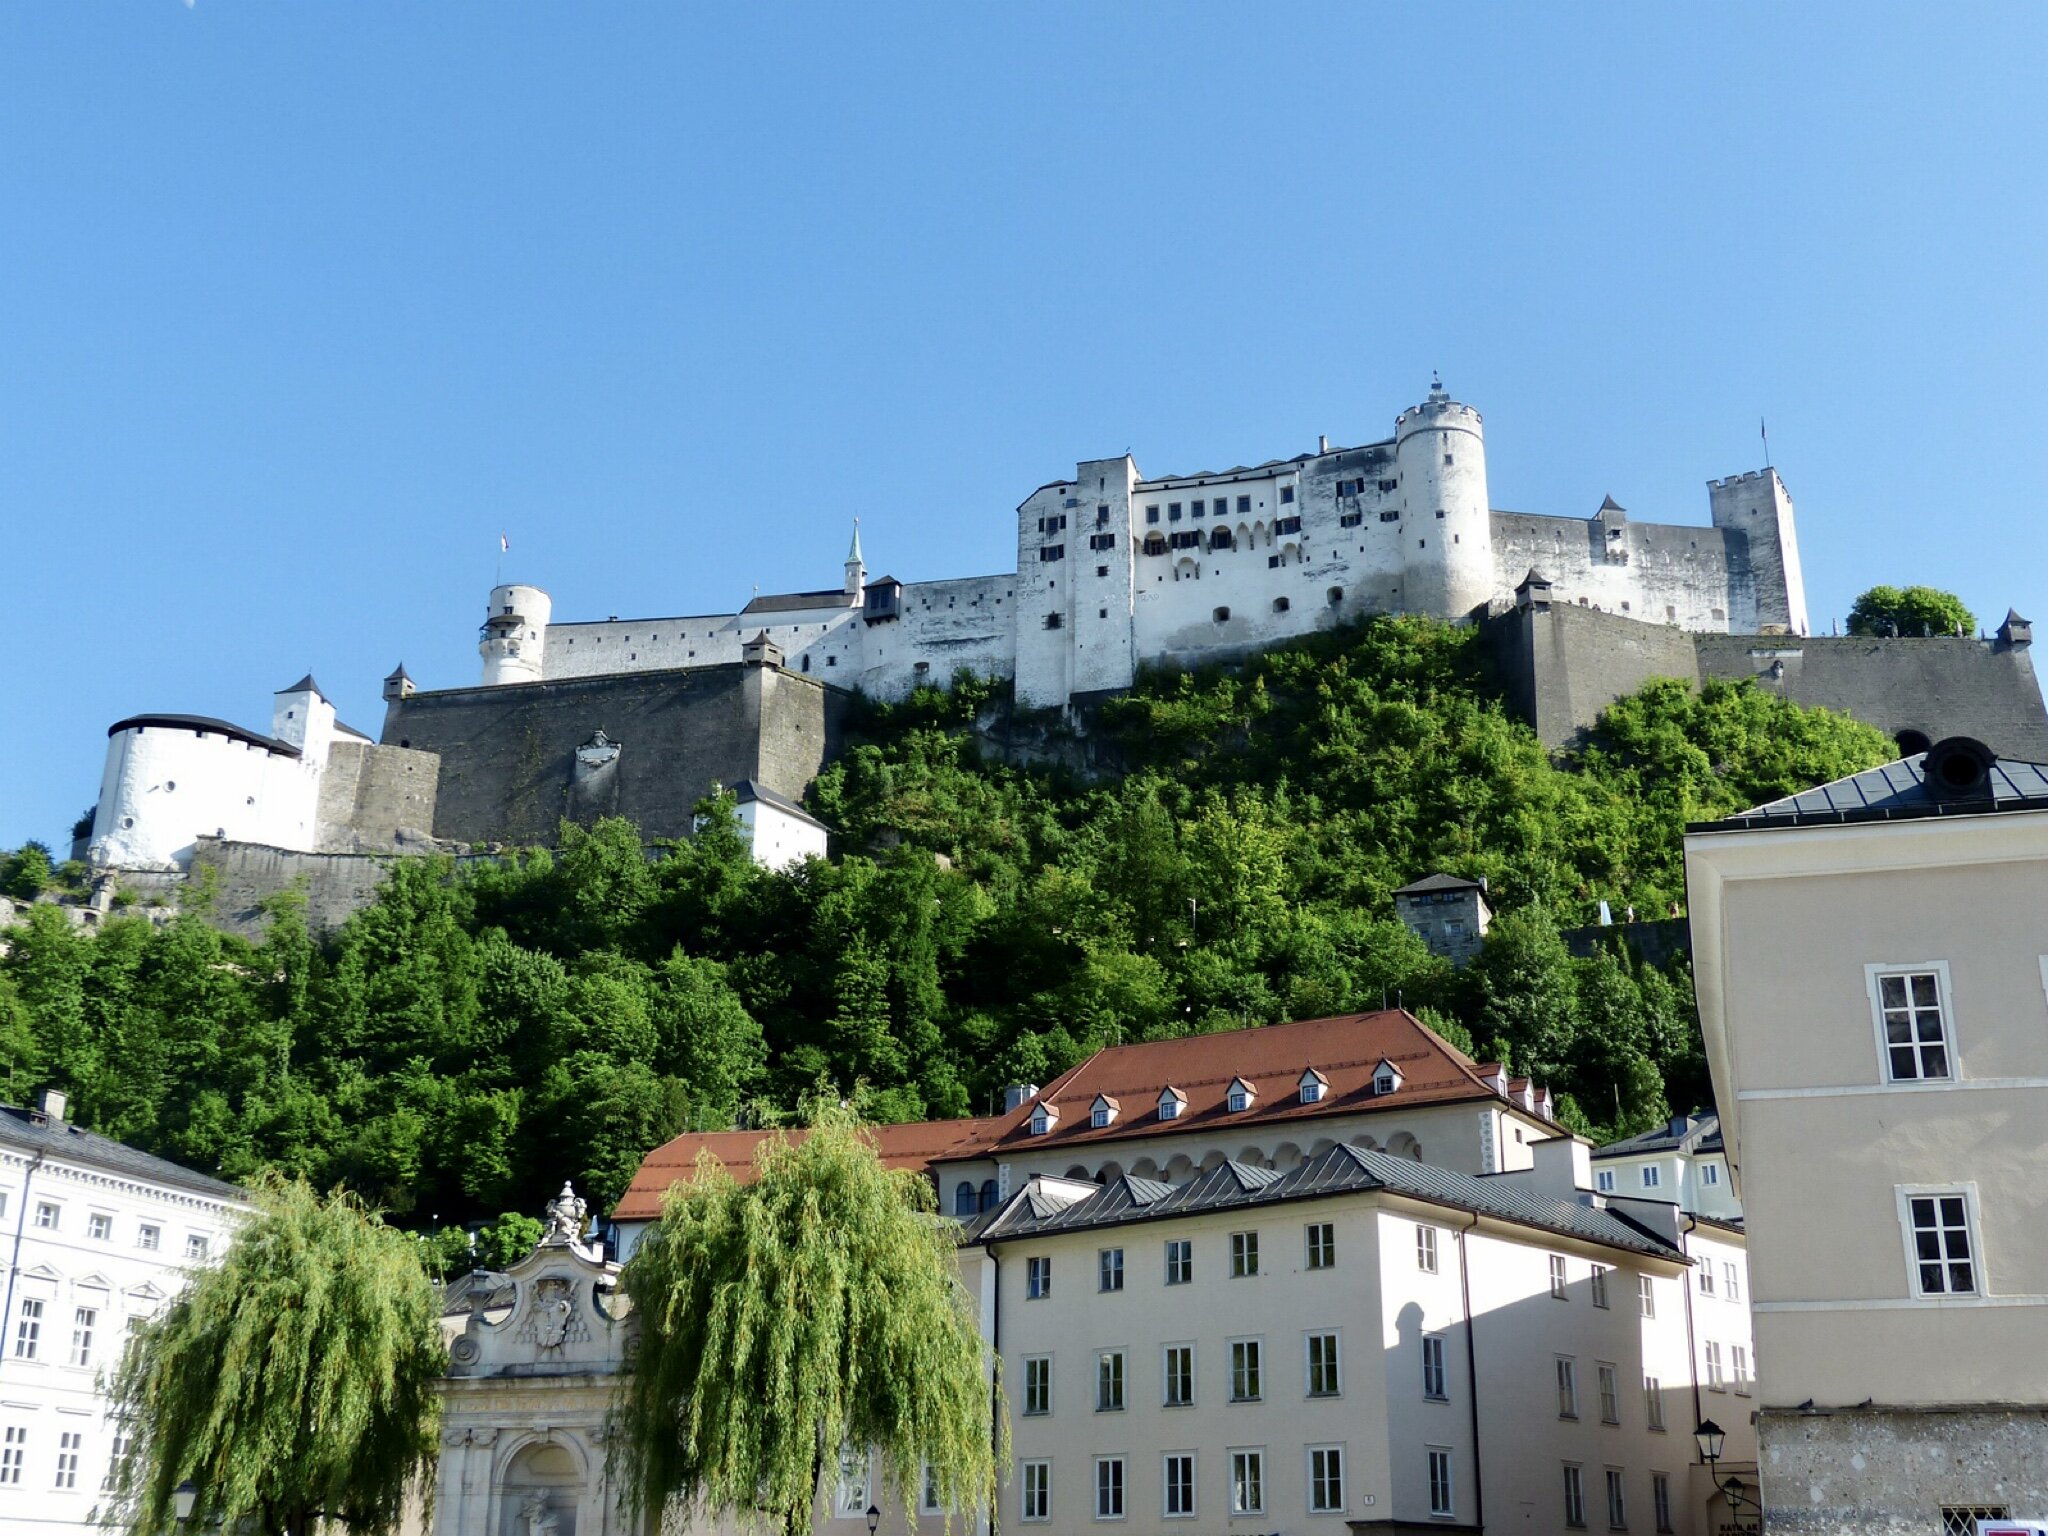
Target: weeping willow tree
x=818, y=1307
x=291, y=1385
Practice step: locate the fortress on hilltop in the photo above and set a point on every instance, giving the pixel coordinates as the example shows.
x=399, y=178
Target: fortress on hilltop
x=1115, y=571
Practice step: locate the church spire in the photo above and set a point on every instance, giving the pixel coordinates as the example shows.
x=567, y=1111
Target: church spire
x=856, y=567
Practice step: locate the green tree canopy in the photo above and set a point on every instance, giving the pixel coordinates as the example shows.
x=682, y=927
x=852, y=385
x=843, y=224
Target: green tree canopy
x=1885, y=610
x=817, y=1307
x=292, y=1384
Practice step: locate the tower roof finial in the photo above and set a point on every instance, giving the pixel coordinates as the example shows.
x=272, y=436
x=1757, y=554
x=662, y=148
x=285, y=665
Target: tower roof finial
x=853, y=555
x=1436, y=388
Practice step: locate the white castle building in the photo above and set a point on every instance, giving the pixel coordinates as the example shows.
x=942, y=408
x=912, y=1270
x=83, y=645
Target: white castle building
x=1115, y=571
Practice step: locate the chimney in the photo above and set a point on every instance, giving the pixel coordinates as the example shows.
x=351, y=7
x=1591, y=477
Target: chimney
x=1017, y=1095
x=1563, y=1168
x=50, y=1106
x=1322, y=443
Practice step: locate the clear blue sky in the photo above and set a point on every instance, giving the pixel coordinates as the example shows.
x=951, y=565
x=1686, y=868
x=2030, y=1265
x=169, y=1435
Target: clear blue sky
x=301, y=306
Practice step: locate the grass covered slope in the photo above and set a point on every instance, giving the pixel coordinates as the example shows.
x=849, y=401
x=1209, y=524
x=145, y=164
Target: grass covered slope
x=465, y=1043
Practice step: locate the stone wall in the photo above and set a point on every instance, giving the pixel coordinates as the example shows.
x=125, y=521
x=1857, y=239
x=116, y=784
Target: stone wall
x=1890, y=1471
x=509, y=769
x=1562, y=665
x=369, y=794
x=244, y=875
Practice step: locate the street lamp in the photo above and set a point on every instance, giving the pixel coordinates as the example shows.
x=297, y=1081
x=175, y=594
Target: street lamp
x=183, y=1497
x=1712, y=1440
x=874, y=1519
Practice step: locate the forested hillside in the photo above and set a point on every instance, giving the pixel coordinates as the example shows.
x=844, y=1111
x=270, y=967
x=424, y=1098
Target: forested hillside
x=463, y=1045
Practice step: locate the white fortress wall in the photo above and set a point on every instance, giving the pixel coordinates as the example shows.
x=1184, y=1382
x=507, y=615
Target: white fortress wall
x=641, y=645
x=1694, y=577
x=167, y=784
x=941, y=627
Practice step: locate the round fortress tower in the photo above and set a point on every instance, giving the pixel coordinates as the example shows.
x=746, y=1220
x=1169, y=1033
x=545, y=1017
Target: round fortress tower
x=1446, y=519
x=515, y=634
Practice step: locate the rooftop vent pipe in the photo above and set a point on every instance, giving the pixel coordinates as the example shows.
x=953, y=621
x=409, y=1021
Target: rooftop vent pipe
x=1958, y=768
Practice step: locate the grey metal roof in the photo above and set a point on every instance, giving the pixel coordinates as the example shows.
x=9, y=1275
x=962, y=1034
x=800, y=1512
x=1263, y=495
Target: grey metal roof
x=1439, y=882
x=749, y=789
x=1340, y=1170
x=1681, y=1133
x=225, y=728
x=26, y=1130
x=798, y=602
x=1891, y=792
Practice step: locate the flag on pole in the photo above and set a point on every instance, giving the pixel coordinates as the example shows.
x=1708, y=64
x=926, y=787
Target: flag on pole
x=504, y=544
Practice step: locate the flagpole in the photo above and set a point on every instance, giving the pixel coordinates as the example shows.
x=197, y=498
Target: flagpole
x=1764, y=427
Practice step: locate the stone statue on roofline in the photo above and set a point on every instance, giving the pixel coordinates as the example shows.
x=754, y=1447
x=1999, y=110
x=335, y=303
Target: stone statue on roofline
x=566, y=1215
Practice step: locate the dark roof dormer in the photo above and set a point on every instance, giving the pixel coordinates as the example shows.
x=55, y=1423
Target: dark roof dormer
x=1172, y=1103
x=761, y=652
x=1313, y=1086
x=1240, y=1097
x=1534, y=591
x=1103, y=1112
x=1044, y=1117
x=2015, y=630
x=882, y=601
x=1386, y=1078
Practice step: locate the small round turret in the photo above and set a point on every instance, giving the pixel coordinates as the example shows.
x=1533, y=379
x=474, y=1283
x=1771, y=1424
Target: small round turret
x=514, y=635
x=1447, y=521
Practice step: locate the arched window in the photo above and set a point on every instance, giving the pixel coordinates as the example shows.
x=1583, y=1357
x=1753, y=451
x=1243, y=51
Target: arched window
x=988, y=1194
x=963, y=1199
x=1219, y=538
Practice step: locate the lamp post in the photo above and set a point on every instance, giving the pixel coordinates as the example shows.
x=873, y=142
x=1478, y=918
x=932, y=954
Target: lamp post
x=874, y=1519
x=1712, y=1440
x=183, y=1497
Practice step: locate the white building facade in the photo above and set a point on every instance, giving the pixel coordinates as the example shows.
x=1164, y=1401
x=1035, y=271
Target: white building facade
x=100, y=1237
x=1681, y=1161
x=1116, y=571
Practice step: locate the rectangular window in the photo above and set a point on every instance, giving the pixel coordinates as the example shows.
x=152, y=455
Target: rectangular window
x=148, y=1238
x=1652, y=1176
x=1325, y=1367
x=1617, y=1501
x=1717, y=1374
x=1731, y=1280
x=1177, y=1376
x=1035, y=1500
x=1660, y=1501
x=1052, y=552
x=1325, y=1479
x=1574, y=1497
x=1653, y=1402
x=1180, y=1261
x=1286, y=495
x=1942, y=1251
x=1322, y=1245
x=851, y=1496
x=1244, y=1255
x=1911, y=1025
x=1109, y=1270
x=1711, y=1174
x=1037, y=1385
x=1109, y=1487
x=1037, y=1279
x=1557, y=1276
x=1600, y=1285
x=1177, y=1498
x=1109, y=1381
x=28, y=1328
x=82, y=1322
x=1425, y=1249
x=928, y=1498
x=1247, y=1482
x=118, y=1450
x=46, y=1216
x=1287, y=525
x=1738, y=1357
x=1567, y=1387
x=1197, y=508
x=1102, y=541
x=1245, y=1385
x=195, y=1245
x=1706, y=1273
x=1646, y=1295
x=1244, y=503
x=1173, y=511
x=1610, y=1394
x=1440, y=1491
x=1435, y=1379
x=1605, y=1179
x=13, y=1452
x=67, y=1458
x=99, y=1227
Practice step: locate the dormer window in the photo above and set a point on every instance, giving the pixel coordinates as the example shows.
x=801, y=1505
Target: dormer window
x=1386, y=1077
x=1240, y=1097
x=1313, y=1086
x=1102, y=1112
x=1171, y=1102
x=1043, y=1119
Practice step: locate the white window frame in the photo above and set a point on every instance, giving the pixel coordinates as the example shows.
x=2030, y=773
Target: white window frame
x=1321, y=1255
x=1873, y=974
x=1041, y=1466
x=1109, y=1270
x=1426, y=1248
x=1166, y=1509
x=84, y=1323
x=927, y=1495
x=1445, y=1508
x=1710, y=1173
x=70, y=1443
x=1660, y=1501
x=1244, y=1255
x=1600, y=1273
x=1037, y=1277
x=99, y=1226
x=1653, y=1402
x=848, y=1500
x=1731, y=1280
x=1706, y=1277
x=13, y=1454
x=1560, y=1280
x=1905, y=1194
x=1308, y=1375
x=1566, y=1369
x=1608, y=1377
x=27, y=1343
x=1112, y=1369
x=1343, y=1501
x=1436, y=1363
x=1186, y=1247
x=54, y=1210
x=1256, y=1347
x=1646, y=1296
x=1717, y=1371
x=1615, y=1484
x=1166, y=1374
x=1098, y=1486
x=1247, y=1459
x=1738, y=1368
x=1574, y=1496
x=1653, y=1176
x=149, y=1237
x=1604, y=1179
x=1031, y=1362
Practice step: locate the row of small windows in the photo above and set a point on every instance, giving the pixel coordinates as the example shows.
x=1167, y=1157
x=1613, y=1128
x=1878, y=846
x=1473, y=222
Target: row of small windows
x=1309, y=1088
x=1246, y=1492
x=1221, y=506
x=1617, y=1498
x=1319, y=1252
x=99, y=1227
x=1322, y=1374
x=14, y=1447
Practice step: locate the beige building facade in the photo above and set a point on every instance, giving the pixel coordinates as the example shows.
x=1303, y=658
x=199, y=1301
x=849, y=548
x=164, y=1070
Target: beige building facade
x=1872, y=967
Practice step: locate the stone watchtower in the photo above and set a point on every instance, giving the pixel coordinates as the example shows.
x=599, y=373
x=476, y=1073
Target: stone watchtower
x=514, y=637
x=1448, y=913
x=1446, y=518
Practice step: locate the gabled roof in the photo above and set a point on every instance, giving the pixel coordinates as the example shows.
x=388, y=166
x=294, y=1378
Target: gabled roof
x=1347, y=1049
x=912, y=1146
x=1681, y=1133
x=304, y=685
x=1438, y=882
x=747, y=790
x=797, y=602
x=1609, y=504
x=1893, y=792
x=1340, y=1170
x=28, y=1131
